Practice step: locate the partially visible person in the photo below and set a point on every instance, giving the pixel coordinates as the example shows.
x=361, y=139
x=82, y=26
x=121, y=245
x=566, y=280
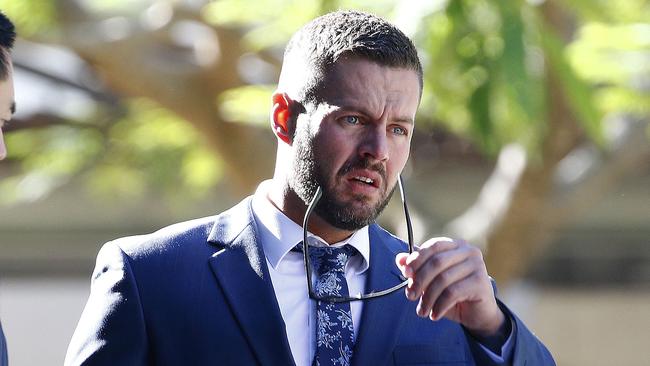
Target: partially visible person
x=7, y=104
x=7, y=108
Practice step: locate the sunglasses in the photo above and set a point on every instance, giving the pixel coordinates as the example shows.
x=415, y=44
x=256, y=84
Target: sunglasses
x=305, y=251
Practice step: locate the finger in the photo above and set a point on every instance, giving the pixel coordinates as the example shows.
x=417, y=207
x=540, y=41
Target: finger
x=431, y=247
x=471, y=286
x=433, y=267
x=455, y=293
x=441, y=282
x=400, y=261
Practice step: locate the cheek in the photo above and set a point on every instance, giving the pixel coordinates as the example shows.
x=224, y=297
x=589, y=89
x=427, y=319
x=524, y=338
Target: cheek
x=399, y=155
x=334, y=147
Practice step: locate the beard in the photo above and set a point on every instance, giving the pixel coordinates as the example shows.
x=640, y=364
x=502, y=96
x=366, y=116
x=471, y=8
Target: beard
x=309, y=172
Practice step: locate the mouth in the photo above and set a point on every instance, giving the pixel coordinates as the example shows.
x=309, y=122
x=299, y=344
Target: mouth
x=366, y=178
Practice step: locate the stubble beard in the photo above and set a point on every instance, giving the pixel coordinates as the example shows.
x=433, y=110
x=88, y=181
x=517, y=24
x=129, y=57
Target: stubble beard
x=308, y=173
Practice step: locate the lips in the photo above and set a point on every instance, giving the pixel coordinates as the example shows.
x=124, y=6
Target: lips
x=365, y=176
x=364, y=180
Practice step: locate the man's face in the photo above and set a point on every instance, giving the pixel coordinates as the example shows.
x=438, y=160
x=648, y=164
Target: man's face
x=355, y=142
x=6, y=107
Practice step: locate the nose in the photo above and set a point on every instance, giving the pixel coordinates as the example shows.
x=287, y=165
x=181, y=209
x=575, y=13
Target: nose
x=375, y=145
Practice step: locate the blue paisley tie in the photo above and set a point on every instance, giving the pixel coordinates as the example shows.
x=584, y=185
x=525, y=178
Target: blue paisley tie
x=335, y=332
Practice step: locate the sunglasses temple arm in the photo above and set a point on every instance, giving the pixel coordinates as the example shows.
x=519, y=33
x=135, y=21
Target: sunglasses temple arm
x=305, y=244
x=409, y=228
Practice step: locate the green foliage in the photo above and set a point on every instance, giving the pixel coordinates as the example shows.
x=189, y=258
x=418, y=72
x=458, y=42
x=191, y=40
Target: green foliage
x=30, y=16
x=628, y=11
x=477, y=65
x=615, y=58
x=579, y=93
x=487, y=67
x=148, y=150
x=270, y=22
x=49, y=157
x=249, y=103
x=116, y=6
x=154, y=149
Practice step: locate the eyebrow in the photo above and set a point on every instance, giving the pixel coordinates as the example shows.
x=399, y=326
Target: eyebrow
x=402, y=119
x=408, y=120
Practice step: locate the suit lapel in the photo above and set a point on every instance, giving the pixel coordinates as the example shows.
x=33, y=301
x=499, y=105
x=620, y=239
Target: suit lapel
x=241, y=271
x=381, y=318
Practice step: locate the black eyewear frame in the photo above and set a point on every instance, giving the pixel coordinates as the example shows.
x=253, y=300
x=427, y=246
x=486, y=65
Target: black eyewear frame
x=305, y=248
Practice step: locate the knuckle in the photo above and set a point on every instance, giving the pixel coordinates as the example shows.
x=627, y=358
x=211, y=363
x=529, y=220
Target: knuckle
x=476, y=261
x=452, y=291
x=436, y=262
x=476, y=277
x=444, y=277
x=475, y=252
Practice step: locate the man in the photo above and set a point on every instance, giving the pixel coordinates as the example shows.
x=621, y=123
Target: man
x=231, y=289
x=7, y=108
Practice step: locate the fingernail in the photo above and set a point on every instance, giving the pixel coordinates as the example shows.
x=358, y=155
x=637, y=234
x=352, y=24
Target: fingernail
x=410, y=294
x=421, y=312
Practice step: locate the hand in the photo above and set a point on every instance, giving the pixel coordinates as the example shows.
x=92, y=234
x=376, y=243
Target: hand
x=450, y=279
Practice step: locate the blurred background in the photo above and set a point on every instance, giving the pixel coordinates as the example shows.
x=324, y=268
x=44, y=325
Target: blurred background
x=532, y=141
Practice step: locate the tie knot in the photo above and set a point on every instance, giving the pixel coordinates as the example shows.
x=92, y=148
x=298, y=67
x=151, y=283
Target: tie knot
x=331, y=259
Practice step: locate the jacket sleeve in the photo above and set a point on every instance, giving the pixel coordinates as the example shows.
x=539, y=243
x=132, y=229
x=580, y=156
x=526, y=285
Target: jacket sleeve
x=3, y=349
x=528, y=349
x=111, y=330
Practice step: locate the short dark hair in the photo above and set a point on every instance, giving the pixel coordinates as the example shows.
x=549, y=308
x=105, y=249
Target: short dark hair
x=7, y=38
x=324, y=40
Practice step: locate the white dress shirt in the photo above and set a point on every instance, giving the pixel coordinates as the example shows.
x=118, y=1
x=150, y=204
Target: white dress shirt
x=279, y=235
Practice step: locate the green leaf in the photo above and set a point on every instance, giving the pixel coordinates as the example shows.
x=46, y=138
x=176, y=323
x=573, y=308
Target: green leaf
x=30, y=16
x=578, y=92
x=249, y=104
x=513, y=63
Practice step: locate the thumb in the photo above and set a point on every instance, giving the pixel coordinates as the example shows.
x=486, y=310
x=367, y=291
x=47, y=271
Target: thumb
x=400, y=260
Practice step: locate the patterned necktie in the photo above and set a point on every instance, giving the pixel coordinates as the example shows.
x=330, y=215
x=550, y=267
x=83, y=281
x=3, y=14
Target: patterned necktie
x=335, y=332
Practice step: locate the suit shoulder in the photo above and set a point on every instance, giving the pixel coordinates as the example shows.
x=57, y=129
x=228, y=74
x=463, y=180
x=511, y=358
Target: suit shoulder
x=187, y=238
x=167, y=239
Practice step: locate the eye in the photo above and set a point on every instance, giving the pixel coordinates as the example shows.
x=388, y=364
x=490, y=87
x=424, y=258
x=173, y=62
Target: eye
x=352, y=120
x=399, y=130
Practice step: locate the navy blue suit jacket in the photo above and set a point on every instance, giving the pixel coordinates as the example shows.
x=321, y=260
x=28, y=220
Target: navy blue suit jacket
x=199, y=293
x=3, y=349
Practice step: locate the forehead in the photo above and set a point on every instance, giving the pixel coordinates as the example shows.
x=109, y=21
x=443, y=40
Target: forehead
x=357, y=80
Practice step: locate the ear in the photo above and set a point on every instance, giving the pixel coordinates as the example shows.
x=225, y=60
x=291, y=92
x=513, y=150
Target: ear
x=281, y=117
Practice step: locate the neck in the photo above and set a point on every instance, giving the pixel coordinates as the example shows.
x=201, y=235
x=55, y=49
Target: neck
x=286, y=200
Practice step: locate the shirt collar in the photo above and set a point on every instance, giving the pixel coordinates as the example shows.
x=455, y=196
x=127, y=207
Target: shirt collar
x=279, y=234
